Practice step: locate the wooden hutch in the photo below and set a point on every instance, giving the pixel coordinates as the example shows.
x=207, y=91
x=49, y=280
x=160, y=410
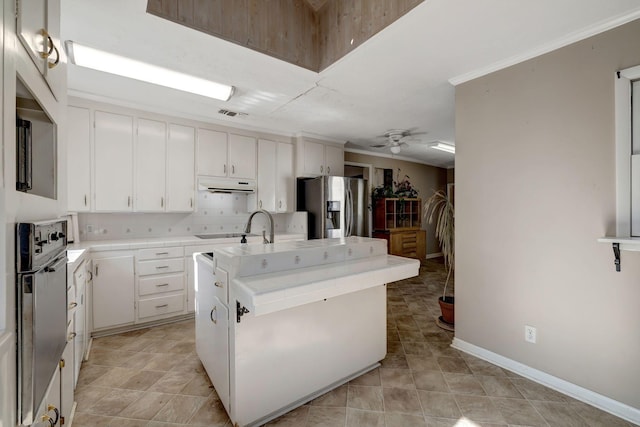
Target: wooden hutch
x=398, y=220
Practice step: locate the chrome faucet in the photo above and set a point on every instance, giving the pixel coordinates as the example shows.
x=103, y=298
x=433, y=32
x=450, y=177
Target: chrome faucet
x=247, y=229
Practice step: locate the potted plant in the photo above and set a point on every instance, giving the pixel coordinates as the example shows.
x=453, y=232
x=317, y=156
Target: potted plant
x=440, y=207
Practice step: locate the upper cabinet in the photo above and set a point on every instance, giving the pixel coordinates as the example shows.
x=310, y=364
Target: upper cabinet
x=180, y=187
x=38, y=28
x=316, y=158
x=226, y=155
x=79, y=159
x=113, y=162
x=123, y=163
x=150, y=169
x=275, y=176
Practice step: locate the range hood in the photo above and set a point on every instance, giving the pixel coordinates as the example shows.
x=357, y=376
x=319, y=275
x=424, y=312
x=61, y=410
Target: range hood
x=226, y=185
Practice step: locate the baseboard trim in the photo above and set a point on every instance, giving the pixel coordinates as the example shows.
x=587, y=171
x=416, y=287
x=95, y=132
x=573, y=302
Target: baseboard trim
x=434, y=255
x=592, y=398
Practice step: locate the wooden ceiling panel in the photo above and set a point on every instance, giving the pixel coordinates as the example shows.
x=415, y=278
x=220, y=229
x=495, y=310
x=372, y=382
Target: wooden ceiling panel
x=312, y=34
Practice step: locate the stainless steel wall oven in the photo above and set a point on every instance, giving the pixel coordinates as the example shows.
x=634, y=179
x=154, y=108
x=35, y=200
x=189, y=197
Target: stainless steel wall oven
x=41, y=267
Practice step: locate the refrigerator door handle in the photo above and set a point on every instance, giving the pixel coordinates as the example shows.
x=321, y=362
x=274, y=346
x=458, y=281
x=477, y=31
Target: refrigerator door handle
x=348, y=211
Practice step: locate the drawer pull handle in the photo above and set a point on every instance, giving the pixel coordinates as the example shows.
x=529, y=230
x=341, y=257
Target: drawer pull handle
x=214, y=310
x=72, y=335
x=73, y=305
x=218, y=285
x=162, y=284
x=162, y=306
x=162, y=266
x=162, y=253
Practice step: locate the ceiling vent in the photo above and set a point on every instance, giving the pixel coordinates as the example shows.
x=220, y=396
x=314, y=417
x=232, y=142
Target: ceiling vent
x=231, y=113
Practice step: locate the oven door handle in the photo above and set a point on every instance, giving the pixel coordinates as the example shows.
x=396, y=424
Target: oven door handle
x=60, y=260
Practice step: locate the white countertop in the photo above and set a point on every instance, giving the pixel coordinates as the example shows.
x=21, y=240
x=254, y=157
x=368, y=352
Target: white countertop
x=125, y=244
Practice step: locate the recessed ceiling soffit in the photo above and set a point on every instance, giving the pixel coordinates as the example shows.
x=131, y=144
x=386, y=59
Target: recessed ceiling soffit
x=312, y=34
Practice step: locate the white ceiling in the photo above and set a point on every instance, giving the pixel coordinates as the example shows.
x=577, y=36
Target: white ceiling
x=402, y=77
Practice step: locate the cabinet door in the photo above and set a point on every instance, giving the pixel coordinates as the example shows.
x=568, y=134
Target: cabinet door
x=31, y=21
x=55, y=71
x=242, y=156
x=52, y=398
x=79, y=159
x=284, y=178
x=267, y=175
x=150, y=169
x=180, y=168
x=66, y=383
x=212, y=153
x=79, y=341
x=113, y=292
x=113, y=162
x=334, y=160
x=314, y=158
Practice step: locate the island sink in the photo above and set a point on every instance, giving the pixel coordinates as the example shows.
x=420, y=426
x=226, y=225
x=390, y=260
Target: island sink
x=278, y=325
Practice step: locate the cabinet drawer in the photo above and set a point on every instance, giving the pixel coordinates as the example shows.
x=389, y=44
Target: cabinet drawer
x=160, y=266
x=159, y=253
x=158, y=284
x=151, y=307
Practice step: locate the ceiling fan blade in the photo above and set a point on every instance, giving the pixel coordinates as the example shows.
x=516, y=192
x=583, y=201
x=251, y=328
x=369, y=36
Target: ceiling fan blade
x=378, y=145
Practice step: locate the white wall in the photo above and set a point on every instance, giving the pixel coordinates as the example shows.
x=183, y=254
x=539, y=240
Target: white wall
x=535, y=188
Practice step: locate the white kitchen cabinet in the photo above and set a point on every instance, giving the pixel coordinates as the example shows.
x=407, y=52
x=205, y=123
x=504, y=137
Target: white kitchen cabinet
x=267, y=174
x=316, y=158
x=275, y=176
x=212, y=321
x=79, y=159
x=51, y=404
x=113, y=291
x=180, y=191
x=38, y=28
x=79, y=320
x=160, y=283
x=226, y=155
x=285, y=181
x=113, y=162
x=242, y=156
x=334, y=160
x=212, y=152
x=150, y=166
x=67, y=383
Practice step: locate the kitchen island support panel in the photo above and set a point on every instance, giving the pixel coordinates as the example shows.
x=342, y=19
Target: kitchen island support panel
x=285, y=356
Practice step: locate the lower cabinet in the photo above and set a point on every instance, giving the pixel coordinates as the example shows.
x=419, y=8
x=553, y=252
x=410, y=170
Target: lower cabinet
x=406, y=243
x=212, y=322
x=58, y=402
x=160, y=283
x=113, y=290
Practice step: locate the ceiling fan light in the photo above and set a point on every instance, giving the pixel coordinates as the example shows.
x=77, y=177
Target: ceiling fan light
x=443, y=147
x=395, y=149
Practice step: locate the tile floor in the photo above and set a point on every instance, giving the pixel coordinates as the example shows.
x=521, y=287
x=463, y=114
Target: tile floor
x=153, y=378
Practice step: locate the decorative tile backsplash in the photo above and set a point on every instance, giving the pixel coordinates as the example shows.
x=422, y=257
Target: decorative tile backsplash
x=215, y=213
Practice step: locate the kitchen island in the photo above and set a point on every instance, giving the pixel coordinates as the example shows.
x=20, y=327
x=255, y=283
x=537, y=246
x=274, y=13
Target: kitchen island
x=280, y=324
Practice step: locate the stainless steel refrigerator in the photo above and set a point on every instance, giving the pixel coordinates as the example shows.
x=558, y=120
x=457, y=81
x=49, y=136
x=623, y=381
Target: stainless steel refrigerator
x=337, y=206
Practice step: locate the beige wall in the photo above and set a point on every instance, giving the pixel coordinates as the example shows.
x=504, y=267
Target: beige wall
x=422, y=177
x=535, y=188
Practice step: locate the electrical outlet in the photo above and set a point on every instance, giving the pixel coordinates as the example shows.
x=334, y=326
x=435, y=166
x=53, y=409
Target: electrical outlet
x=530, y=334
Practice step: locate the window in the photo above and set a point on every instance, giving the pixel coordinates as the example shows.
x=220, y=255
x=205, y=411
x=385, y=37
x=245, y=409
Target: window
x=627, y=125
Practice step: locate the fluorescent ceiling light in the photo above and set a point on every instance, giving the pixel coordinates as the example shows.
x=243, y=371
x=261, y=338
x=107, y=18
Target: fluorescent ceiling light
x=88, y=57
x=443, y=147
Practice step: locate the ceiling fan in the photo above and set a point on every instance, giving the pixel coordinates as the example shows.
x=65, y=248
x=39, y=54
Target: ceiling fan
x=396, y=138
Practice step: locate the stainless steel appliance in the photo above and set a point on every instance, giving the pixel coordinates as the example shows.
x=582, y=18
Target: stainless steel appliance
x=41, y=267
x=337, y=206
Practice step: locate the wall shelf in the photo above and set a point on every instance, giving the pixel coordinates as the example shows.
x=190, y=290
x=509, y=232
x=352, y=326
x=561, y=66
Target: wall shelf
x=621, y=244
